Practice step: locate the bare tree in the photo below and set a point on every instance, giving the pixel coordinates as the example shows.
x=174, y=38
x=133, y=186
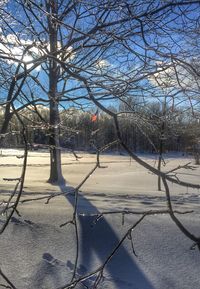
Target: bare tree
x=85, y=52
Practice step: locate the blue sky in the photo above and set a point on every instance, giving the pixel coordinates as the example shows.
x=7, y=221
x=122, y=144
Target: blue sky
x=104, y=66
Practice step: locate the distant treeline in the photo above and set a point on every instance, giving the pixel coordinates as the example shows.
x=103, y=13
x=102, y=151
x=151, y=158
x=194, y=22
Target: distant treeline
x=143, y=129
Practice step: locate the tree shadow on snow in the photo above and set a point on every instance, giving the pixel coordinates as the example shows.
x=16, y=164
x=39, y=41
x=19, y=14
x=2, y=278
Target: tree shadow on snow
x=96, y=242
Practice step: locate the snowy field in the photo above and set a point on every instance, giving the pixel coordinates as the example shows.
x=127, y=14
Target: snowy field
x=36, y=253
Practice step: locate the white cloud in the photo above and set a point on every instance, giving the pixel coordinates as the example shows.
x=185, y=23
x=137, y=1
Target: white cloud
x=102, y=63
x=172, y=76
x=13, y=47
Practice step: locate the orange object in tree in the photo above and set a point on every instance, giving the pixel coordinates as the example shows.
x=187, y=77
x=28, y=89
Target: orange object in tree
x=94, y=116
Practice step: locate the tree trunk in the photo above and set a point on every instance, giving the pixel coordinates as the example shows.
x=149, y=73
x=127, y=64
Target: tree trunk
x=161, y=142
x=7, y=118
x=56, y=176
x=4, y=128
x=159, y=162
x=55, y=152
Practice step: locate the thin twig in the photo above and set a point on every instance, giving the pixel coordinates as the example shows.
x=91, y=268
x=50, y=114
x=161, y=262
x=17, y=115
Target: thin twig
x=11, y=285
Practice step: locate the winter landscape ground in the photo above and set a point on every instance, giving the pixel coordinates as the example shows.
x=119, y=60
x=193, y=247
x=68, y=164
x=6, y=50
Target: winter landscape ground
x=36, y=253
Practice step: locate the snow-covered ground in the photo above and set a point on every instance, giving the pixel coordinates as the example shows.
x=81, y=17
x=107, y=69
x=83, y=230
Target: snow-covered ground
x=35, y=252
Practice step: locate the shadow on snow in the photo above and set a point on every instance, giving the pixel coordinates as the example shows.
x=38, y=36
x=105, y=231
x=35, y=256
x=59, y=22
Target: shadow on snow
x=98, y=240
